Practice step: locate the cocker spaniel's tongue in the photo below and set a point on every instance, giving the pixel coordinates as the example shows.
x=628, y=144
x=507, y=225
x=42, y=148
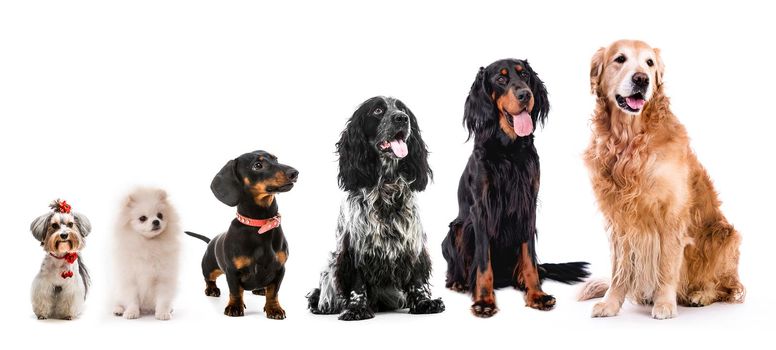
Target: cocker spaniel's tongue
x=635, y=103
x=399, y=148
x=523, y=124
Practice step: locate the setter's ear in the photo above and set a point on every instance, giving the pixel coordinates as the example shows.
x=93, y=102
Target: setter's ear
x=596, y=70
x=479, y=111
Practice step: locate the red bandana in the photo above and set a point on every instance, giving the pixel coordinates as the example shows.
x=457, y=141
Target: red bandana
x=264, y=225
x=70, y=258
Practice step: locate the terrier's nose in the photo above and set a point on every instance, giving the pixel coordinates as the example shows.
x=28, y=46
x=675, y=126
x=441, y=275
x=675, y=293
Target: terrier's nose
x=641, y=79
x=63, y=235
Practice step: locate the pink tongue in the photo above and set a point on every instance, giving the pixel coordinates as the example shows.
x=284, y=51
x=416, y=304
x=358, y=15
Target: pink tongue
x=634, y=103
x=399, y=148
x=523, y=124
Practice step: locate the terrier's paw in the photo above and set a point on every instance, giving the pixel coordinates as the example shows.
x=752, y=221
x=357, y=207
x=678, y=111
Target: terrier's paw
x=118, y=310
x=604, y=309
x=541, y=301
x=68, y=318
x=41, y=317
x=132, y=313
x=663, y=311
x=428, y=306
x=163, y=315
x=275, y=312
x=212, y=292
x=484, y=309
x=235, y=310
x=357, y=314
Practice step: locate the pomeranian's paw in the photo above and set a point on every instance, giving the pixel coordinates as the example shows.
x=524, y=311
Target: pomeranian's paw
x=118, y=310
x=132, y=313
x=163, y=315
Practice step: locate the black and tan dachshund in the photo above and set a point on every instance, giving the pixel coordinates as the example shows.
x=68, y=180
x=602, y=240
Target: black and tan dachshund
x=253, y=252
x=491, y=242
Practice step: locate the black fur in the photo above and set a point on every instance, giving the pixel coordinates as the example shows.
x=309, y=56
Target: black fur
x=365, y=277
x=497, y=193
x=249, y=260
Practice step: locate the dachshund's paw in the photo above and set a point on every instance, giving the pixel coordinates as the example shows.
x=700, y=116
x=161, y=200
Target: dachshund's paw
x=428, y=306
x=212, y=291
x=701, y=298
x=118, y=310
x=663, y=311
x=275, y=312
x=235, y=310
x=458, y=287
x=541, y=301
x=604, y=309
x=357, y=314
x=484, y=309
x=261, y=291
x=132, y=313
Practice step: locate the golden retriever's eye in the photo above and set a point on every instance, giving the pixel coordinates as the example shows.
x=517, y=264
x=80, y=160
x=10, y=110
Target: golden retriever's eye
x=501, y=79
x=650, y=62
x=377, y=111
x=620, y=59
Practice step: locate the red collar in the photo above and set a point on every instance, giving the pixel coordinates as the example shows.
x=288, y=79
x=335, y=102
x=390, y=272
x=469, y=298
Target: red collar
x=264, y=225
x=69, y=257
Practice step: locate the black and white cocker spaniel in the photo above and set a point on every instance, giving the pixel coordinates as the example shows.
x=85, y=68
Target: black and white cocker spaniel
x=381, y=262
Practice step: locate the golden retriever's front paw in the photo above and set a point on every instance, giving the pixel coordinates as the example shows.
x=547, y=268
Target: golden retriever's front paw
x=663, y=311
x=604, y=309
x=702, y=298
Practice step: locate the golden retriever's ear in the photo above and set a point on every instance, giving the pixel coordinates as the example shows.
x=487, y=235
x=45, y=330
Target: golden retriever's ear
x=596, y=70
x=659, y=69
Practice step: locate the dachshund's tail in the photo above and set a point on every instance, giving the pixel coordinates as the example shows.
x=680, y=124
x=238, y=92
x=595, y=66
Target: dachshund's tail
x=568, y=273
x=196, y=235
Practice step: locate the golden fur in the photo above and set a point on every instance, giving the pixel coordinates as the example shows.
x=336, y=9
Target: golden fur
x=669, y=240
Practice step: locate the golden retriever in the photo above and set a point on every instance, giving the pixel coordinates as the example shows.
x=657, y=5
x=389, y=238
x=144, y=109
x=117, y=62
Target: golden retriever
x=669, y=239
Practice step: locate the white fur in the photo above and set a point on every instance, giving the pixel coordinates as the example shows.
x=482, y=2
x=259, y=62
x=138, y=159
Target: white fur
x=65, y=304
x=146, y=260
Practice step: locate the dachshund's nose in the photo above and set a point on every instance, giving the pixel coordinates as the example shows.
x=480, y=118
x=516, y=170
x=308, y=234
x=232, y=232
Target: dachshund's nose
x=400, y=118
x=641, y=79
x=524, y=95
x=292, y=174
x=63, y=235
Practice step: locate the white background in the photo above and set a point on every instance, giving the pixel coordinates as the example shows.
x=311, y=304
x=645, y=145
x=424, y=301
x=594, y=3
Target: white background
x=97, y=97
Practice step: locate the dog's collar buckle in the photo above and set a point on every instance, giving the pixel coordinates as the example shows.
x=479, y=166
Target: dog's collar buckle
x=69, y=257
x=264, y=225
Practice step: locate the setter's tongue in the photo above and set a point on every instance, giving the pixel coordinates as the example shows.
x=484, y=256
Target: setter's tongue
x=399, y=148
x=523, y=124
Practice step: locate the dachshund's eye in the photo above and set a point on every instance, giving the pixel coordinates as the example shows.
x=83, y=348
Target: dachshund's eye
x=160, y=216
x=257, y=166
x=55, y=226
x=501, y=79
x=650, y=62
x=143, y=218
x=377, y=111
x=70, y=224
x=620, y=59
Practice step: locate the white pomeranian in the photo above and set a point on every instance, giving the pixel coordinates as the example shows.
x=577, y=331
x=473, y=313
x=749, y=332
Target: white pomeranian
x=146, y=255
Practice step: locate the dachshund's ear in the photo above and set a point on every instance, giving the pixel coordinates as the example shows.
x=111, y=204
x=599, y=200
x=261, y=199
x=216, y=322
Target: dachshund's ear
x=541, y=101
x=358, y=161
x=660, y=68
x=84, y=226
x=479, y=109
x=226, y=186
x=596, y=70
x=40, y=225
x=415, y=165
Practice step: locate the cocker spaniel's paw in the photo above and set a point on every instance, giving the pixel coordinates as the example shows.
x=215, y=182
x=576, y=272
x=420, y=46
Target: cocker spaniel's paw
x=428, y=306
x=484, y=309
x=357, y=314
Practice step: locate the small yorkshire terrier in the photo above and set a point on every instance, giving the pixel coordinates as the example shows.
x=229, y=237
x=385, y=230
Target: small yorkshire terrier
x=59, y=290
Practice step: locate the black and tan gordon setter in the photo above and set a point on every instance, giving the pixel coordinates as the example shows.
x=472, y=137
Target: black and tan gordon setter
x=491, y=242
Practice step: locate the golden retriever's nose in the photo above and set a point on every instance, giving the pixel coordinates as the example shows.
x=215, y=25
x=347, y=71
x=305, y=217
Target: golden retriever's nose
x=641, y=79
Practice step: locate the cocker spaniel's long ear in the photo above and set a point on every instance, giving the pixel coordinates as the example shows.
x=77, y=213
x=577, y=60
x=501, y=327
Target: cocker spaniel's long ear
x=541, y=101
x=358, y=161
x=83, y=224
x=226, y=185
x=596, y=70
x=40, y=225
x=415, y=165
x=660, y=68
x=479, y=110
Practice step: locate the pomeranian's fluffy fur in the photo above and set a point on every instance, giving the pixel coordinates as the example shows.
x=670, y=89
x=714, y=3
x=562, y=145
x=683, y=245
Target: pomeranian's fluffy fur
x=146, y=255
